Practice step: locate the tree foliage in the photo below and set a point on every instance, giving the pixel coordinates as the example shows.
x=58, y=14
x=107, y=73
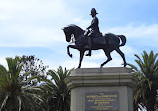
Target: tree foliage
x=33, y=65
x=147, y=84
x=15, y=94
x=58, y=95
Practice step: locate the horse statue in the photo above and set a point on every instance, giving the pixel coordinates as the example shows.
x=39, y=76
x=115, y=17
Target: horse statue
x=107, y=43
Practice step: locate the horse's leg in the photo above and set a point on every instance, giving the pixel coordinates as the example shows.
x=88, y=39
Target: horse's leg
x=107, y=53
x=122, y=55
x=68, y=49
x=81, y=57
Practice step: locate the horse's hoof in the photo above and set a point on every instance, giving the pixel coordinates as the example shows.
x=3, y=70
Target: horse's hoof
x=88, y=54
x=101, y=66
x=70, y=55
x=125, y=65
x=79, y=66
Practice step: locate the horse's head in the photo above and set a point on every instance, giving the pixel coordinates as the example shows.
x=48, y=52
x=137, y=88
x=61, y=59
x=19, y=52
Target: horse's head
x=68, y=31
x=72, y=30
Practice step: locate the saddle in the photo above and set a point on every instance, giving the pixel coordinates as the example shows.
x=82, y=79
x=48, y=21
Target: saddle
x=99, y=40
x=104, y=39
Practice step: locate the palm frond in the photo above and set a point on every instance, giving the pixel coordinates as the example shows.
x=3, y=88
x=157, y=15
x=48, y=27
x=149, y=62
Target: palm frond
x=4, y=101
x=19, y=99
x=4, y=73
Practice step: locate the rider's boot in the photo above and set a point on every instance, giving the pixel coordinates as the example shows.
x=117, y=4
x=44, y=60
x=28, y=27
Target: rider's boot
x=89, y=53
x=89, y=46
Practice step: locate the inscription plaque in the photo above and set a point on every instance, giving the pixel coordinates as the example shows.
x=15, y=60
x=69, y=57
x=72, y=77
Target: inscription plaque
x=102, y=101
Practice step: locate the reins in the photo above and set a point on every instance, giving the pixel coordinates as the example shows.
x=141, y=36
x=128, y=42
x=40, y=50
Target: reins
x=72, y=40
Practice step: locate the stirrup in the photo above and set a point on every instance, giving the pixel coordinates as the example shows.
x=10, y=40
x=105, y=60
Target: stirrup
x=89, y=54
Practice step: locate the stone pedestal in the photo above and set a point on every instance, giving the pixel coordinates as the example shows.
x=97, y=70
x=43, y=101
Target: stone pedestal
x=101, y=89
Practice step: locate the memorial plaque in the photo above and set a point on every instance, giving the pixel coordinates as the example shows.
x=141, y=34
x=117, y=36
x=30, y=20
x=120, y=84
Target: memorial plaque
x=102, y=101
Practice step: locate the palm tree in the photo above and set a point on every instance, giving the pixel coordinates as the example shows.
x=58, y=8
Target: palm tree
x=15, y=95
x=147, y=84
x=58, y=95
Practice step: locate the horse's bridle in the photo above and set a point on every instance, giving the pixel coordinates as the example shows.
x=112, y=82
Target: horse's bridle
x=72, y=39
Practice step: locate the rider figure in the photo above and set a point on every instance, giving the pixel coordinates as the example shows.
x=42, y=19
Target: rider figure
x=94, y=29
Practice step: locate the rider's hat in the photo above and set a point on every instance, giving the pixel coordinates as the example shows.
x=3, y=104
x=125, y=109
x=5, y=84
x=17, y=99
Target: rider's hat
x=93, y=11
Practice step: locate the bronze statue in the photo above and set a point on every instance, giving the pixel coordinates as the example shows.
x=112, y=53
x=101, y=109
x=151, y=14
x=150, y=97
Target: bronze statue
x=107, y=42
x=93, y=30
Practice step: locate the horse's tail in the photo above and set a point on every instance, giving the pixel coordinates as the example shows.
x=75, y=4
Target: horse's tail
x=123, y=39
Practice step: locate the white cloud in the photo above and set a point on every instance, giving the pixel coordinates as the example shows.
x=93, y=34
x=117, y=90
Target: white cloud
x=128, y=50
x=74, y=64
x=29, y=8
x=21, y=36
x=131, y=31
x=34, y=23
x=38, y=23
x=83, y=23
x=3, y=61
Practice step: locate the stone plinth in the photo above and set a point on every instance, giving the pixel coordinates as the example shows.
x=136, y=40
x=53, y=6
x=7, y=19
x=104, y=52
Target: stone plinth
x=101, y=89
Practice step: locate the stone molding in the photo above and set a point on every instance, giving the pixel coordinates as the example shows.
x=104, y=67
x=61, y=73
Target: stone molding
x=92, y=77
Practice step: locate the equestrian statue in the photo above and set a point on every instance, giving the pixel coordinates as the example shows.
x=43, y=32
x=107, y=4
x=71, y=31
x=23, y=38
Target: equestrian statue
x=92, y=39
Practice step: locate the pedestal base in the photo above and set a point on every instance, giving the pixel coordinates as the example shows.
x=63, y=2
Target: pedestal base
x=101, y=89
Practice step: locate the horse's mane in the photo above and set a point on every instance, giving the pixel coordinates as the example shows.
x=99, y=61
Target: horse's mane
x=75, y=26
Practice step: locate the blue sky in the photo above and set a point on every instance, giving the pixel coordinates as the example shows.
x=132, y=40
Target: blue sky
x=33, y=27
